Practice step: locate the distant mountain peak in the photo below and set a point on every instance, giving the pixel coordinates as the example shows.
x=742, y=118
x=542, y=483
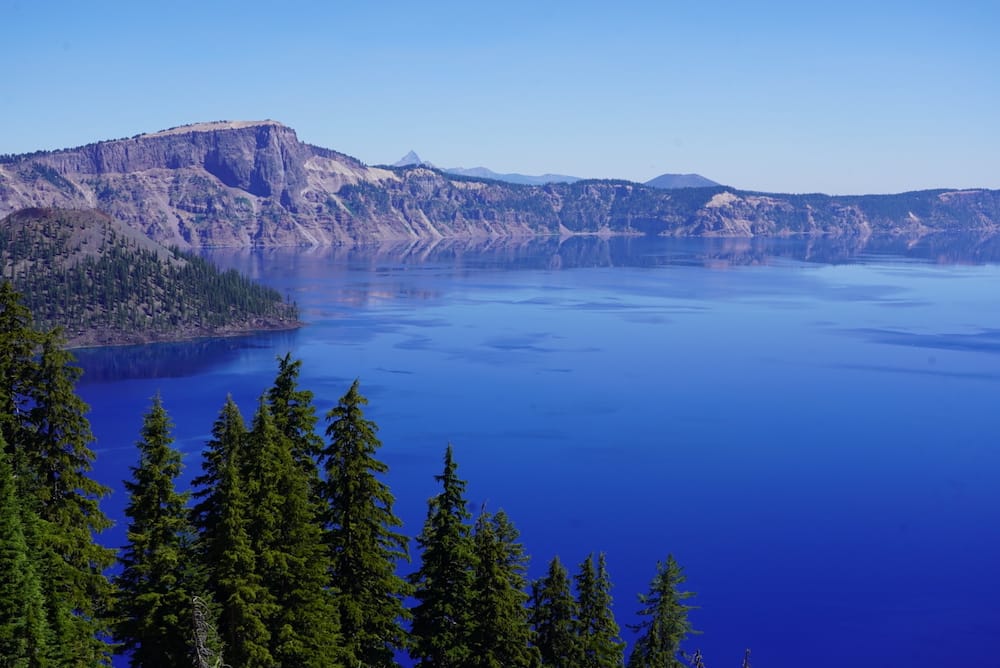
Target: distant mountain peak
x=670, y=181
x=411, y=159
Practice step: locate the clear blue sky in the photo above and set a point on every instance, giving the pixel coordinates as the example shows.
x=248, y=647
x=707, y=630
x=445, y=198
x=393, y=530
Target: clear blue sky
x=837, y=97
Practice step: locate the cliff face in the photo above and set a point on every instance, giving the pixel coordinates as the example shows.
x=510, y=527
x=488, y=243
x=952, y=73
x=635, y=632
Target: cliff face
x=255, y=184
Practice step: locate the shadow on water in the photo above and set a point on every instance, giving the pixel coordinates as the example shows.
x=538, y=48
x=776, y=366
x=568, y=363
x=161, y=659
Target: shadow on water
x=171, y=360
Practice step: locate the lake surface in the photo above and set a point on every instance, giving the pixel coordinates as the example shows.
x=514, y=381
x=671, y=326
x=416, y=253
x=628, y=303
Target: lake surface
x=810, y=429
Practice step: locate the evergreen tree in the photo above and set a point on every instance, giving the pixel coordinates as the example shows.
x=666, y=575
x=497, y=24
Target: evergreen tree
x=18, y=344
x=553, y=616
x=53, y=462
x=228, y=435
x=295, y=415
x=155, y=588
x=501, y=635
x=443, y=584
x=599, y=633
x=24, y=632
x=362, y=536
x=292, y=559
x=666, y=624
x=225, y=545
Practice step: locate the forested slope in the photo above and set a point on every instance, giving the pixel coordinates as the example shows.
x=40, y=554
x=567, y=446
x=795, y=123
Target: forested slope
x=107, y=284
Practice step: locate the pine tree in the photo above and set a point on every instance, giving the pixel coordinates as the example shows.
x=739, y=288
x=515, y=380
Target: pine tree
x=441, y=618
x=53, y=463
x=666, y=624
x=224, y=541
x=362, y=536
x=25, y=636
x=501, y=635
x=292, y=559
x=18, y=344
x=156, y=587
x=295, y=416
x=222, y=451
x=599, y=633
x=553, y=617
x=42, y=420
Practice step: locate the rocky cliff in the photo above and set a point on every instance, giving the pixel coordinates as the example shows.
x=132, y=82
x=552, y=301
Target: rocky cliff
x=255, y=184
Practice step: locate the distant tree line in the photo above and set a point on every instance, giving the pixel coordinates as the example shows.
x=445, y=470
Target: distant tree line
x=286, y=551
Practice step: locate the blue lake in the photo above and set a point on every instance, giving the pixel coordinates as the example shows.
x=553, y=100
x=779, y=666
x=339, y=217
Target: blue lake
x=811, y=430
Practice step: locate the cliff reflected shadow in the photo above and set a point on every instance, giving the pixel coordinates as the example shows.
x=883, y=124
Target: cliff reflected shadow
x=459, y=256
x=172, y=360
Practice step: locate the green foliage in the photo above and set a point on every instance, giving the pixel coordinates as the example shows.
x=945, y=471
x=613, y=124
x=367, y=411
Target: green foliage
x=291, y=557
x=295, y=417
x=42, y=420
x=500, y=635
x=666, y=624
x=443, y=584
x=25, y=637
x=80, y=271
x=225, y=547
x=600, y=638
x=361, y=532
x=553, y=617
x=156, y=587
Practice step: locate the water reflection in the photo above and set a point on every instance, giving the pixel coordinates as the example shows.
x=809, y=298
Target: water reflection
x=535, y=253
x=338, y=283
x=172, y=360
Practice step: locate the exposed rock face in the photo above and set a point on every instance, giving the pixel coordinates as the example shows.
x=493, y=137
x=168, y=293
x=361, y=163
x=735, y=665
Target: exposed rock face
x=255, y=184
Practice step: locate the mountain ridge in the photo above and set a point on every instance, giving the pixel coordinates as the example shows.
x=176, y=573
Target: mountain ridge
x=254, y=183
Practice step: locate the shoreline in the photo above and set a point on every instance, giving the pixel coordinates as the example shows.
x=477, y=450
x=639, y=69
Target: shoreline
x=92, y=340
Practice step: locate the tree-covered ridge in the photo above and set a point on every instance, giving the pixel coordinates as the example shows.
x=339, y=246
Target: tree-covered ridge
x=290, y=556
x=106, y=284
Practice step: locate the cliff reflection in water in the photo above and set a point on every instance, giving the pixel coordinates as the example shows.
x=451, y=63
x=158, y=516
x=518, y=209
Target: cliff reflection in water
x=461, y=255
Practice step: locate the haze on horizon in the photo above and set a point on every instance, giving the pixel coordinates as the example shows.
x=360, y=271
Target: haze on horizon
x=773, y=96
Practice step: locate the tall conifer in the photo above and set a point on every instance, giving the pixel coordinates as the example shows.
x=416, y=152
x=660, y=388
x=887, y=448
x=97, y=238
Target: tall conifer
x=221, y=451
x=599, y=633
x=666, y=622
x=443, y=584
x=295, y=416
x=292, y=559
x=25, y=636
x=53, y=459
x=365, y=545
x=553, y=617
x=501, y=636
x=156, y=586
x=224, y=543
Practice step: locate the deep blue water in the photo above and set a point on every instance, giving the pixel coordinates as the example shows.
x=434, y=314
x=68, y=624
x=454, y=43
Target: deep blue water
x=811, y=430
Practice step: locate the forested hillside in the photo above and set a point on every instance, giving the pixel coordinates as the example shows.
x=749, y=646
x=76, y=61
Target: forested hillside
x=286, y=551
x=107, y=284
